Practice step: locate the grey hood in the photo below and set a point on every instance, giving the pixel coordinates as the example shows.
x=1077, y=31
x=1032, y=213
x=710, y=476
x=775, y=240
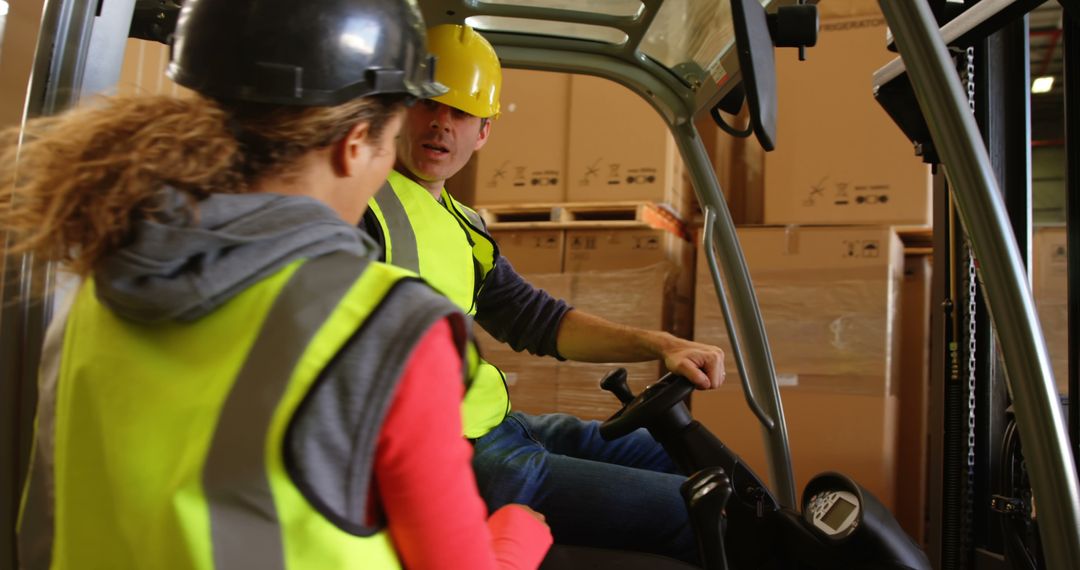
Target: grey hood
x=185, y=266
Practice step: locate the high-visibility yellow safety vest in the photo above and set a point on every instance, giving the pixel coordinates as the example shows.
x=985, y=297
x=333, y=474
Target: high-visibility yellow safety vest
x=445, y=242
x=163, y=445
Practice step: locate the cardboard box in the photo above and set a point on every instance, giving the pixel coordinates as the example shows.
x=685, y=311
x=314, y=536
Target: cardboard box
x=613, y=250
x=533, y=251
x=620, y=149
x=914, y=384
x=602, y=250
x=1051, y=292
x=829, y=297
x=839, y=158
x=524, y=161
x=143, y=70
x=850, y=433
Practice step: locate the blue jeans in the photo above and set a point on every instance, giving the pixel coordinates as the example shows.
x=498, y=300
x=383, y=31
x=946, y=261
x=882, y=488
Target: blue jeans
x=622, y=494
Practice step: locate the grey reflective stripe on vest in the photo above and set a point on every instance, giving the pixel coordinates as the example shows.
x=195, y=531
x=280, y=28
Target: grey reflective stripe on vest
x=477, y=221
x=37, y=527
x=402, y=243
x=243, y=519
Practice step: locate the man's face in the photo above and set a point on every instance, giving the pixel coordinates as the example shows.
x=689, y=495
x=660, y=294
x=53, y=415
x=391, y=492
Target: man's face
x=437, y=140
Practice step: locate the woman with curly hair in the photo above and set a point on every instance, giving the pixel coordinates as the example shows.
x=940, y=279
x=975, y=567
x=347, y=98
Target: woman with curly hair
x=237, y=382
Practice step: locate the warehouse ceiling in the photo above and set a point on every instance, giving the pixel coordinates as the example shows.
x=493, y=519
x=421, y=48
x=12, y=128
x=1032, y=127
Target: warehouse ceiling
x=1047, y=109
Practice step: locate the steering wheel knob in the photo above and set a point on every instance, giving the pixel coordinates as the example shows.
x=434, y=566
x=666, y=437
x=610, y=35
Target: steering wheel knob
x=615, y=382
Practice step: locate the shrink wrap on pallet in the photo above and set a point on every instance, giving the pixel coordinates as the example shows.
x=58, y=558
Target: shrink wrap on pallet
x=643, y=297
x=829, y=298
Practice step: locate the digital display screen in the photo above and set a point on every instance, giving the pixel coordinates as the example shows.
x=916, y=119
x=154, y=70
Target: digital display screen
x=838, y=513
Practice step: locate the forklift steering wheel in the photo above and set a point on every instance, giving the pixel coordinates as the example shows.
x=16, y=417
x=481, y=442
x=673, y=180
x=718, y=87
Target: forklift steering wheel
x=647, y=406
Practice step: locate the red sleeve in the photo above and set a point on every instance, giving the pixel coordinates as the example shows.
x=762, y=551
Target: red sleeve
x=424, y=477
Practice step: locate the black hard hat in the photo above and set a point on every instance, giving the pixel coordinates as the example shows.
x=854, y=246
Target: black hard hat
x=302, y=52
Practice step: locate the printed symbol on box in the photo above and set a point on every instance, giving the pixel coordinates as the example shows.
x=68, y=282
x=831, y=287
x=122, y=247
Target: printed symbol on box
x=545, y=242
x=591, y=171
x=641, y=177
x=519, y=176
x=647, y=242
x=541, y=178
x=841, y=194
x=872, y=199
x=877, y=194
x=613, y=173
x=583, y=243
x=497, y=174
x=860, y=248
x=816, y=191
x=1057, y=255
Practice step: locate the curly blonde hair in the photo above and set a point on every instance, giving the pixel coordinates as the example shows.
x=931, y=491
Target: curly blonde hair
x=71, y=190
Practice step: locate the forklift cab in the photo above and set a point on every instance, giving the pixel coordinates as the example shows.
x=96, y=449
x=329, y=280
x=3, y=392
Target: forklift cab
x=686, y=59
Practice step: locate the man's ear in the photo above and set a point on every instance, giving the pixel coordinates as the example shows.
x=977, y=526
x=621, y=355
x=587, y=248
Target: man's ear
x=485, y=132
x=352, y=152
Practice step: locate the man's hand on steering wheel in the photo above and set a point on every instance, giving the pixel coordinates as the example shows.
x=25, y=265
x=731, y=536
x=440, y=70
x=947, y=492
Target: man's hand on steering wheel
x=702, y=364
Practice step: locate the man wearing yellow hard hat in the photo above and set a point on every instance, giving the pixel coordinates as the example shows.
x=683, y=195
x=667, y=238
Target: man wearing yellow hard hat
x=622, y=494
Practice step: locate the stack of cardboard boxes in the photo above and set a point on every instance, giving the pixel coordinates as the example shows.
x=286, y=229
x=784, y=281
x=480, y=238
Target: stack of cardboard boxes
x=562, y=138
x=830, y=300
x=845, y=312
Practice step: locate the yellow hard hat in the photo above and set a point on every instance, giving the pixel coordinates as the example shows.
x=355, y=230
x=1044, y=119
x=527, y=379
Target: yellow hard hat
x=467, y=65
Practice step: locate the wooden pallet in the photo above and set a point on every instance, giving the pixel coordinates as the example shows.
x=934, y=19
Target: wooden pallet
x=917, y=240
x=581, y=215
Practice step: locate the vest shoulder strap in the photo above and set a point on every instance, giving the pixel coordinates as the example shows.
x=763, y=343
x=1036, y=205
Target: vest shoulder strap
x=474, y=218
x=237, y=449
x=399, y=239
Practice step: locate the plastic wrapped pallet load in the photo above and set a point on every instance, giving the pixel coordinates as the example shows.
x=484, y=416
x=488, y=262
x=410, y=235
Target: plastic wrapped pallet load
x=829, y=297
x=643, y=297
